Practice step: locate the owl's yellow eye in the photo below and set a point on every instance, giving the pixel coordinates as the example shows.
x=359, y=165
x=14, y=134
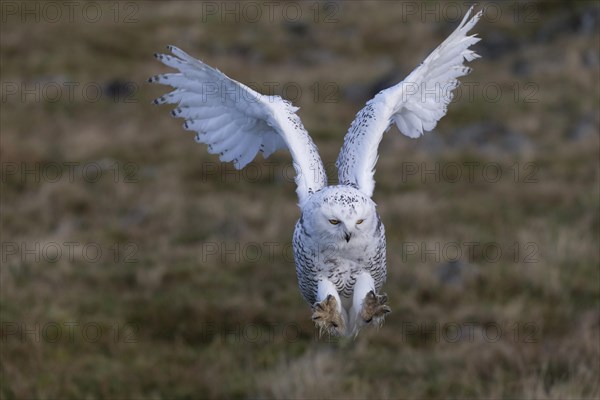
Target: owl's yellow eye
x=360, y=221
x=334, y=221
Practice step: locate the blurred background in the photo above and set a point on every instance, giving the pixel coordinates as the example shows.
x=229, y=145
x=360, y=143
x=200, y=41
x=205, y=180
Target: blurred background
x=135, y=265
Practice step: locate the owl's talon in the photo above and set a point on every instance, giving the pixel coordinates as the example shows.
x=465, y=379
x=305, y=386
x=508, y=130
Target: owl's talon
x=327, y=317
x=374, y=308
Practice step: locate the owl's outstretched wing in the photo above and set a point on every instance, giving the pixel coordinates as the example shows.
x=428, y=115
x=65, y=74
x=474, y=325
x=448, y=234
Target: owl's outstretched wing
x=415, y=105
x=236, y=122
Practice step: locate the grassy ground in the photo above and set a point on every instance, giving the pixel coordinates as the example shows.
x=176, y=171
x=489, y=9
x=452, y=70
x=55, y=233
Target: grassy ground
x=134, y=265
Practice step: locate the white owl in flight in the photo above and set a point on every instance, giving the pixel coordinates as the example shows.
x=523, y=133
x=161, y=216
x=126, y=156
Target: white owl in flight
x=339, y=240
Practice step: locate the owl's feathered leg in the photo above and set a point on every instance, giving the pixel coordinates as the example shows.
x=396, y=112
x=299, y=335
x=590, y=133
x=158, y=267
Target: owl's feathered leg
x=328, y=314
x=367, y=306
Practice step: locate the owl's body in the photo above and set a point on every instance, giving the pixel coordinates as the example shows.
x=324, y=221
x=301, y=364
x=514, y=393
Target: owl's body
x=339, y=240
x=340, y=263
x=319, y=253
x=342, y=254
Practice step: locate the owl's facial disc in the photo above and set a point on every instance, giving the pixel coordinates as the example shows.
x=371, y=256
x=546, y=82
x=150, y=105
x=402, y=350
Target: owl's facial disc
x=340, y=215
x=344, y=221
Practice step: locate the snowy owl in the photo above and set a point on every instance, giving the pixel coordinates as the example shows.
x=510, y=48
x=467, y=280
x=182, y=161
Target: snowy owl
x=339, y=239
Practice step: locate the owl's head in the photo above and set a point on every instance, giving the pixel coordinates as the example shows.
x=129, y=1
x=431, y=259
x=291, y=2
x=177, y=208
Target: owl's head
x=341, y=214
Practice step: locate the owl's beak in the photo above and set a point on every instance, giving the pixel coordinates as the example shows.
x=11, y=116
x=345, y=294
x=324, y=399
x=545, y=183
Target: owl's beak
x=347, y=236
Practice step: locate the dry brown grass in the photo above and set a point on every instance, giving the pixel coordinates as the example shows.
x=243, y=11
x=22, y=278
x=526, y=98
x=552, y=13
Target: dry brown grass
x=181, y=320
